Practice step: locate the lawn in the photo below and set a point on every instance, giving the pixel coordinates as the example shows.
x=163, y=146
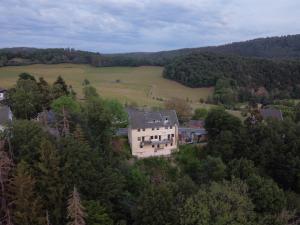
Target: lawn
x=142, y=85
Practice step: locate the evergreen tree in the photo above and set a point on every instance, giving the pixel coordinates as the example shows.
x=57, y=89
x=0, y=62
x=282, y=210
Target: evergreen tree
x=96, y=214
x=76, y=213
x=79, y=135
x=49, y=181
x=27, y=207
x=6, y=166
x=60, y=88
x=155, y=207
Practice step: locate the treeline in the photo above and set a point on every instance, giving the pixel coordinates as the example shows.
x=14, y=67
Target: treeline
x=27, y=56
x=246, y=77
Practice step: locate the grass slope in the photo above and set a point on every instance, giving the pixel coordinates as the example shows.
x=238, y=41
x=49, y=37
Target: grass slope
x=142, y=85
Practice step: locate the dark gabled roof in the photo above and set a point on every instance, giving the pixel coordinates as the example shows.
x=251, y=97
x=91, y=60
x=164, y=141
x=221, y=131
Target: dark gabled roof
x=2, y=89
x=271, y=113
x=5, y=115
x=150, y=119
x=47, y=116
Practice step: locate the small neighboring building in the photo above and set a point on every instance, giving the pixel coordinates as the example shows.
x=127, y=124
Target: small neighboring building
x=193, y=132
x=2, y=93
x=5, y=116
x=271, y=113
x=152, y=133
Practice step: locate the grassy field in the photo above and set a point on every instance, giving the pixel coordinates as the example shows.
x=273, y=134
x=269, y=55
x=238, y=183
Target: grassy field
x=142, y=85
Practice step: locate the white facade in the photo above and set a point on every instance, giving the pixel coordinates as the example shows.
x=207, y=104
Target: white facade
x=1, y=96
x=158, y=141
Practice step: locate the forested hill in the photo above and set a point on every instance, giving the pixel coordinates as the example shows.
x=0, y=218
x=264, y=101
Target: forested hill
x=285, y=47
x=278, y=77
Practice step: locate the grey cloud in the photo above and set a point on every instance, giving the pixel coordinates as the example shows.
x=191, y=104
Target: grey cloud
x=142, y=25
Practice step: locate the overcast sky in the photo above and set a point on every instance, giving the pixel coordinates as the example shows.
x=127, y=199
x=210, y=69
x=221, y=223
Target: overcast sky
x=142, y=25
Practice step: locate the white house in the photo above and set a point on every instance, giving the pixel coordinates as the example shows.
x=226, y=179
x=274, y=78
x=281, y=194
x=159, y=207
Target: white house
x=152, y=133
x=5, y=116
x=2, y=94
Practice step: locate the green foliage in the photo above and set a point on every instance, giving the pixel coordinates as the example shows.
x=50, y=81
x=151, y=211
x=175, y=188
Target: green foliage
x=219, y=120
x=25, y=99
x=26, y=139
x=266, y=195
x=49, y=182
x=225, y=92
x=26, y=76
x=219, y=203
x=200, y=113
x=65, y=103
x=96, y=214
x=155, y=207
x=117, y=113
x=280, y=78
x=60, y=88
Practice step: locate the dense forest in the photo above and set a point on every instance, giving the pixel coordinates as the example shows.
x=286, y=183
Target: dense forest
x=245, y=76
x=247, y=174
x=285, y=47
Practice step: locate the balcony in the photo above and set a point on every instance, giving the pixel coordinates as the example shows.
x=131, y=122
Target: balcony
x=157, y=142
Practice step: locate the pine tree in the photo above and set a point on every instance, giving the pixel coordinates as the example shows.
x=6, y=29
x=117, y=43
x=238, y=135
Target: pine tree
x=60, y=88
x=27, y=207
x=49, y=180
x=6, y=166
x=75, y=209
x=79, y=134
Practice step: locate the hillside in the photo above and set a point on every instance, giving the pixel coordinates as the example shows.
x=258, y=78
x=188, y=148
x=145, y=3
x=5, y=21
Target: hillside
x=285, y=47
x=279, y=78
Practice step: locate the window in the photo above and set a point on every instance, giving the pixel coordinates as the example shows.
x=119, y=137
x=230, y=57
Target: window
x=153, y=146
x=169, y=136
x=143, y=138
x=158, y=145
x=139, y=138
x=166, y=145
x=173, y=135
x=143, y=129
x=155, y=136
x=141, y=146
x=151, y=137
x=159, y=137
x=157, y=128
x=171, y=144
x=171, y=127
x=152, y=128
x=139, y=130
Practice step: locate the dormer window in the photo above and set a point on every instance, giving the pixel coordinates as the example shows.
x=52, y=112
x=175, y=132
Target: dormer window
x=139, y=130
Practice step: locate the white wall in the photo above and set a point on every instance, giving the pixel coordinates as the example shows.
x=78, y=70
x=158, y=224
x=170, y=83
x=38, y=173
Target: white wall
x=1, y=96
x=148, y=150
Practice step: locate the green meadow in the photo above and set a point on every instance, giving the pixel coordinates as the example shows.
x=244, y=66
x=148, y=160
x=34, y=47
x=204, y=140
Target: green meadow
x=144, y=85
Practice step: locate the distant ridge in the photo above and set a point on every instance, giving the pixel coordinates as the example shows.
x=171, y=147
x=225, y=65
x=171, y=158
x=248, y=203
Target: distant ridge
x=284, y=47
